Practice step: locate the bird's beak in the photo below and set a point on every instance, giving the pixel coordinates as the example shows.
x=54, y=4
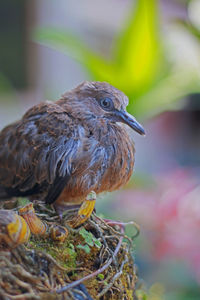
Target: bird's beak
x=128, y=119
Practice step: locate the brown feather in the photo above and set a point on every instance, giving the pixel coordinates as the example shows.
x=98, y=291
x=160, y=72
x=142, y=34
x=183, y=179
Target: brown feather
x=61, y=151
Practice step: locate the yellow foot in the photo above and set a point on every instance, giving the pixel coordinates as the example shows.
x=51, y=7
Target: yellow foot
x=85, y=210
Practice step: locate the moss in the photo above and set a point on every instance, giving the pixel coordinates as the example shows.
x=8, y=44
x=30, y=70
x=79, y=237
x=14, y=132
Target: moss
x=45, y=265
x=64, y=253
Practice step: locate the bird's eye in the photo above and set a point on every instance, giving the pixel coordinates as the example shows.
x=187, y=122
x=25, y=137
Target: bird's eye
x=106, y=103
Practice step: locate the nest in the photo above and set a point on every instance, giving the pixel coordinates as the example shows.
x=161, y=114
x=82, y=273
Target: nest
x=94, y=262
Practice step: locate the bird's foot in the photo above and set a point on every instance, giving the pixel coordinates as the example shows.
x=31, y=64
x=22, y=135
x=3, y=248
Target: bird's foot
x=85, y=210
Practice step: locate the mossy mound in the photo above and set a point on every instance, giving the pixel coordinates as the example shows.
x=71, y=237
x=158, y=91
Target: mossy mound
x=94, y=262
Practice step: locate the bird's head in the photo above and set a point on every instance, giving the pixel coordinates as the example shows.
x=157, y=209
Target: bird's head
x=104, y=101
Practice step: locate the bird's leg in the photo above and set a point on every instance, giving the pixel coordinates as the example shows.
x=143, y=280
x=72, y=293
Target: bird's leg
x=85, y=210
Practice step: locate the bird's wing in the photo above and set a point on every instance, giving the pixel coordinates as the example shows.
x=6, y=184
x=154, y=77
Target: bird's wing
x=36, y=153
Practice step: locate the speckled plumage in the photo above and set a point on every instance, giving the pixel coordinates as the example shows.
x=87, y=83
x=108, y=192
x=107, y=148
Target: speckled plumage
x=61, y=151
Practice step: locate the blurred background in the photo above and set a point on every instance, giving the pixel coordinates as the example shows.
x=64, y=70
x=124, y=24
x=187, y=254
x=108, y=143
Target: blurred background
x=150, y=50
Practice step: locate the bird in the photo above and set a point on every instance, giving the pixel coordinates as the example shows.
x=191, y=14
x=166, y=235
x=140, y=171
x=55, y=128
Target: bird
x=68, y=151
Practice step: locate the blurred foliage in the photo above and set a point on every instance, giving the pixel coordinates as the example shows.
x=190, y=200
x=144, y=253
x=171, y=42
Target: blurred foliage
x=155, y=292
x=140, y=66
x=5, y=84
x=186, y=293
x=191, y=28
x=13, y=35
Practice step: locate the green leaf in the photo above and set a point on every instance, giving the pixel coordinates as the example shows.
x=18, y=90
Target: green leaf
x=89, y=238
x=190, y=28
x=63, y=41
x=97, y=243
x=138, y=49
x=165, y=95
x=89, y=241
x=22, y=201
x=71, y=246
x=85, y=248
x=84, y=233
x=69, y=44
x=100, y=276
x=5, y=84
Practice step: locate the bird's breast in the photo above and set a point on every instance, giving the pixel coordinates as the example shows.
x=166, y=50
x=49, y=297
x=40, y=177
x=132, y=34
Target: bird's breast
x=103, y=164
